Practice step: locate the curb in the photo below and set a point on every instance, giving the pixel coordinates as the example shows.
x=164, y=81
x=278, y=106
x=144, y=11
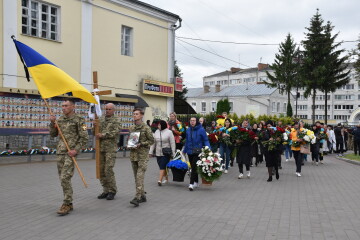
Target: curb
x=349, y=161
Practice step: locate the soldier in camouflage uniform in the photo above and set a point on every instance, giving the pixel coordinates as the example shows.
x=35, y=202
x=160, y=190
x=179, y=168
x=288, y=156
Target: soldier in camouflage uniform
x=108, y=135
x=75, y=132
x=139, y=155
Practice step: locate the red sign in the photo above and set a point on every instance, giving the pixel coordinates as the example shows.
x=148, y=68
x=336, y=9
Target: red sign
x=178, y=84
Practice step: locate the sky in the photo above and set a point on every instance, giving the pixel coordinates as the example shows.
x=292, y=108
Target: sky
x=241, y=21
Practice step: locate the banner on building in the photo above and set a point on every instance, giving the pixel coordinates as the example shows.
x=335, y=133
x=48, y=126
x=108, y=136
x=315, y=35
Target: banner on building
x=178, y=84
x=158, y=88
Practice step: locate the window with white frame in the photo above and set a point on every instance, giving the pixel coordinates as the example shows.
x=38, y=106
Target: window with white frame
x=126, y=40
x=347, y=87
x=303, y=116
x=284, y=107
x=40, y=19
x=231, y=106
x=302, y=107
x=273, y=106
x=345, y=97
x=203, y=106
x=193, y=104
x=278, y=107
x=213, y=106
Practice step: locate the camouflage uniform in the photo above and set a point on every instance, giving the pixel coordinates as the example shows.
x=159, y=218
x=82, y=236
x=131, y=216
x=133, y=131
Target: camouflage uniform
x=109, y=128
x=75, y=132
x=140, y=156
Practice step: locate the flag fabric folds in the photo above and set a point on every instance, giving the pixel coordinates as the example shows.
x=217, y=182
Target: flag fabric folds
x=50, y=80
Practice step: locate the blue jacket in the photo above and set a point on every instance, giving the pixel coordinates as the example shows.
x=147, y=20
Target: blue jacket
x=195, y=138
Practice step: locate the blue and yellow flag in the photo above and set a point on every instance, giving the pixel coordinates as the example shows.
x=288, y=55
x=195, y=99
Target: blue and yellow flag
x=50, y=80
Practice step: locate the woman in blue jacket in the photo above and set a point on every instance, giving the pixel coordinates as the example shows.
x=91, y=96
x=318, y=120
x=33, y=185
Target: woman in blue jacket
x=196, y=139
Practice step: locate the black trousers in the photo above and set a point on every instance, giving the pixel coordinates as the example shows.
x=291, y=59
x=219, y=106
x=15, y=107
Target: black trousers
x=315, y=156
x=298, y=160
x=340, y=147
x=194, y=177
x=356, y=147
x=241, y=167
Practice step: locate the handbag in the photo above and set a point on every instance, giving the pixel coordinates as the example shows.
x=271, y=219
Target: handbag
x=165, y=151
x=305, y=148
x=195, y=150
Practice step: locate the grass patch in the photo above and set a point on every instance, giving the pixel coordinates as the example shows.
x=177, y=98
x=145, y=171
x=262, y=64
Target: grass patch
x=352, y=156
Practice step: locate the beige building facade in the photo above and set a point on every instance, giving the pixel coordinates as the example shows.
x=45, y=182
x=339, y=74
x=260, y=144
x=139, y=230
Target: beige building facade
x=125, y=41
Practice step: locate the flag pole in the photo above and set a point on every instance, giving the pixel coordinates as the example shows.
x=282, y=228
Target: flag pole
x=66, y=144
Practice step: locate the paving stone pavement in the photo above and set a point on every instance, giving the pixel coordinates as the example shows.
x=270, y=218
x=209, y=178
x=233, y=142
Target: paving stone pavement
x=322, y=204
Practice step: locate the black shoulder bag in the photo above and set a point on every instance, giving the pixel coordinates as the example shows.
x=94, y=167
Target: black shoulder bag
x=195, y=150
x=165, y=151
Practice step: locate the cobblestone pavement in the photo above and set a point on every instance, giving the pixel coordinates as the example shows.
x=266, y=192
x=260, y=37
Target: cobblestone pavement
x=322, y=204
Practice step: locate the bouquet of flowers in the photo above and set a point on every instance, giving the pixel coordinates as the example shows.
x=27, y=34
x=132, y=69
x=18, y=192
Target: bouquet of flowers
x=278, y=135
x=305, y=135
x=209, y=166
x=213, y=138
x=322, y=135
x=242, y=134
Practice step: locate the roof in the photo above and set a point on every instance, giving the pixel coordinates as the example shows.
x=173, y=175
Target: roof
x=246, y=70
x=232, y=91
x=141, y=102
x=154, y=8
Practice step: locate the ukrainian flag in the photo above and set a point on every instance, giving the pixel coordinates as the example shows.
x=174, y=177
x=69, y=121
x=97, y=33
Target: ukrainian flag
x=50, y=80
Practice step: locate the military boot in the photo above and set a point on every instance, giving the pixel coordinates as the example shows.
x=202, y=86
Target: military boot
x=142, y=199
x=102, y=196
x=135, y=202
x=110, y=196
x=65, y=209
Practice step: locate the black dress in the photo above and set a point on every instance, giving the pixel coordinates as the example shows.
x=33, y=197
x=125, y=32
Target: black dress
x=270, y=156
x=244, y=155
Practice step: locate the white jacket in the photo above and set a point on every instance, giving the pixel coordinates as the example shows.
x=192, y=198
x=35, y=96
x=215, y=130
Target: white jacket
x=167, y=140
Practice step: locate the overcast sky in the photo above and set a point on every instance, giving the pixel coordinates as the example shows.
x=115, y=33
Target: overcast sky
x=240, y=21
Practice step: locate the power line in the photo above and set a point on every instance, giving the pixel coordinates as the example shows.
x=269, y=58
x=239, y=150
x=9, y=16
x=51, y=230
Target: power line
x=214, y=53
x=201, y=59
x=256, y=44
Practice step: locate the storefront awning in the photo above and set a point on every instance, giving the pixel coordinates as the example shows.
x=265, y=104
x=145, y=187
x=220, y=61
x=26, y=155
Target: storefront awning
x=141, y=102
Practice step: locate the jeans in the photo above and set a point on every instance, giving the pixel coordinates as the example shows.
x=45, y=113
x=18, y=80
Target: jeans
x=225, y=154
x=288, y=152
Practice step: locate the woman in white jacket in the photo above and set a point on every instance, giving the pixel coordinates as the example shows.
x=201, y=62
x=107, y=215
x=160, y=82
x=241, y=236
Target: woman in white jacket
x=164, y=138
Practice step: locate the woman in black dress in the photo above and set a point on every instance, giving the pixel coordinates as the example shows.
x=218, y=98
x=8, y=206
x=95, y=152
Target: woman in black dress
x=270, y=156
x=243, y=156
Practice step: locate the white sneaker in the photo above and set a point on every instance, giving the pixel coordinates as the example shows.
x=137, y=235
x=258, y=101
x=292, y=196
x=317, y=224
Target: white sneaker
x=191, y=187
x=322, y=162
x=164, y=181
x=317, y=164
x=298, y=174
x=287, y=160
x=226, y=171
x=248, y=174
x=196, y=185
x=241, y=176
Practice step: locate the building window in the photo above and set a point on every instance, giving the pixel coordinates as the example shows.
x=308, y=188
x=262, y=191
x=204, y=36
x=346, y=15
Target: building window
x=40, y=19
x=273, y=107
x=303, y=116
x=203, y=106
x=231, y=106
x=126, y=41
x=193, y=104
x=278, y=107
x=345, y=97
x=213, y=106
x=284, y=108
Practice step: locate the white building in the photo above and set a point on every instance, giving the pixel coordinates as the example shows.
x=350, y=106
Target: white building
x=256, y=99
x=237, y=76
x=343, y=106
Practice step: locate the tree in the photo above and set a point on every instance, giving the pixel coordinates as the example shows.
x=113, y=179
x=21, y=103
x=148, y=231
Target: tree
x=335, y=74
x=356, y=53
x=315, y=52
x=223, y=106
x=285, y=70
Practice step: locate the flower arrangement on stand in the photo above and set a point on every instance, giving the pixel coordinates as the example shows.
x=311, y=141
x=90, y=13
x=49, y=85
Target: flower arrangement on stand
x=209, y=166
x=179, y=166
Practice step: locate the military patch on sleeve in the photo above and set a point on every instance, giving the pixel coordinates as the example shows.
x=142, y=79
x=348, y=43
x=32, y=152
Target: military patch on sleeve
x=84, y=127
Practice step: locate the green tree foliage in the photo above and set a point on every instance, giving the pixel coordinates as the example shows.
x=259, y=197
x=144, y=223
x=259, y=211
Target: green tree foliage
x=285, y=69
x=289, y=111
x=335, y=73
x=356, y=53
x=178, y=73
x=223, y=106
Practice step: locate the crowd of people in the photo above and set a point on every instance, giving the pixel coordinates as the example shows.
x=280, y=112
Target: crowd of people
x=242, y=143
